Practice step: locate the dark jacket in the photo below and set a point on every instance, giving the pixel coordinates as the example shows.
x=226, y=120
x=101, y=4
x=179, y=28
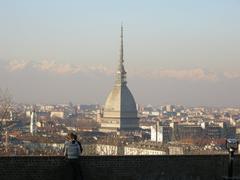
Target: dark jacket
x=72, y=149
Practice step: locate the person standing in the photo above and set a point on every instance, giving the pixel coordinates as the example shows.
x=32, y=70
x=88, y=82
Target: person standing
x=72, y=153
x=80, y=145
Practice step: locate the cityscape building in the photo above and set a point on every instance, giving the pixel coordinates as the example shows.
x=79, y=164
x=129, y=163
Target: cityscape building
x=162, y=134
x=120, y=112
x=33, y=121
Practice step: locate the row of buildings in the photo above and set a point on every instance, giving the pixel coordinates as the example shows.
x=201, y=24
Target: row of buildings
x=175, y=131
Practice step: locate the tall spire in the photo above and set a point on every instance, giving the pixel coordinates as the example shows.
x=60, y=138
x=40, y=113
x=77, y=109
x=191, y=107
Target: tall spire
x=121, y=73
x=121, y=49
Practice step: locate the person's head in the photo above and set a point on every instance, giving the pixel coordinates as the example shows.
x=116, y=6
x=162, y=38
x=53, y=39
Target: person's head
x=70, y=136
x=75, y=137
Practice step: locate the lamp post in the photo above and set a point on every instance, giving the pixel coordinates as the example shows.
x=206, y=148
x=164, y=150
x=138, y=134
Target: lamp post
x=232, y=146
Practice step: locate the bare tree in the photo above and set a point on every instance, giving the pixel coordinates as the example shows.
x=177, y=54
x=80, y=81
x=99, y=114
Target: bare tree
x=5, y=103
x=5, y=107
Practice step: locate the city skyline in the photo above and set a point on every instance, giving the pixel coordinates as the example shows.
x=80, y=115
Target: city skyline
x=177, y=53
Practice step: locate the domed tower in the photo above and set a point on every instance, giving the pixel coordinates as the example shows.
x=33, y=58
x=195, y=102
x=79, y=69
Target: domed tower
x=120, y=112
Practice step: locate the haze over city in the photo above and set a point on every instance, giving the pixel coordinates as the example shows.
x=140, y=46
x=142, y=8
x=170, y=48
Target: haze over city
x=178, y=52
x=119, y=89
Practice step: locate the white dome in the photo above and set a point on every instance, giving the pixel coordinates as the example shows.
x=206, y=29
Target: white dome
x=120, y=99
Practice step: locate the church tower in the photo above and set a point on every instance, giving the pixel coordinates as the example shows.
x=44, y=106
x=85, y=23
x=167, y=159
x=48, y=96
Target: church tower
x=120, y=113
x=33, y=121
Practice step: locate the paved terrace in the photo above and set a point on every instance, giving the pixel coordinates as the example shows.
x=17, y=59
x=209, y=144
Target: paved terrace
x=197, y=167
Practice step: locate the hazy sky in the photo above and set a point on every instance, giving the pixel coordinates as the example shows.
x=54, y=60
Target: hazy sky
x=179, y=52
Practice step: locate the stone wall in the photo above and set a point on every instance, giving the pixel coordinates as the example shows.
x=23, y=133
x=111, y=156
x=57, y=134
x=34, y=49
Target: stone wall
x=199, y=167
